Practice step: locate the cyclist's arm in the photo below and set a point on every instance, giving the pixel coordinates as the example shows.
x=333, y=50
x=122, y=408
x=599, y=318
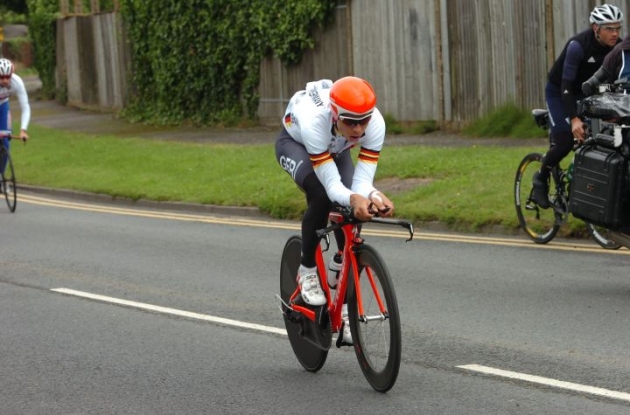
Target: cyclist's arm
x=365, y=170
x=22, y=96
x=574, y=56
x=327, y=173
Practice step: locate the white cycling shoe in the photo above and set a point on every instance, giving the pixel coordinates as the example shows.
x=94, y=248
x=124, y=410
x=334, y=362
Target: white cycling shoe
x=347, y=335
x=310, y=288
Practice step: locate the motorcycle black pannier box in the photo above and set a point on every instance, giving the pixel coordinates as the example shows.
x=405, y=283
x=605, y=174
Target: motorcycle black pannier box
x=599, y=194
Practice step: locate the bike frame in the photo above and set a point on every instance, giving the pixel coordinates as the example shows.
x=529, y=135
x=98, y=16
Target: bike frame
x=334, y=305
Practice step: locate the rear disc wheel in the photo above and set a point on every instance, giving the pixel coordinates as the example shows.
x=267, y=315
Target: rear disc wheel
x=311, y=357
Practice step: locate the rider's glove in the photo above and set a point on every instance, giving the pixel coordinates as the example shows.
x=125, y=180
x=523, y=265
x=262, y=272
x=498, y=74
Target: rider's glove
x=590, y=87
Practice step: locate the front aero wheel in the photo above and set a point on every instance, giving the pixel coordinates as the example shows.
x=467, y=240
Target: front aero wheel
x=376, y=333
x=8, y=183
x=309, y=355
x=539, y=224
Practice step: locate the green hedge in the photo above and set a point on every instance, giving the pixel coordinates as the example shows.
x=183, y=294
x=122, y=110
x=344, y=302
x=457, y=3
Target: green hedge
x=194, y=60
x=42, y=30
x=199, y=60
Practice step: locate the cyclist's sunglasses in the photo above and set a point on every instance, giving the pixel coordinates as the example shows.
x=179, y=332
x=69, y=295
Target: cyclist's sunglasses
x=352, y=120
x=611, y=29
x=5, y=76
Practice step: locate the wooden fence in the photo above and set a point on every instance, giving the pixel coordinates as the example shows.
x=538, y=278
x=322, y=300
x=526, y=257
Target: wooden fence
x=446, y=60
x=93, y=61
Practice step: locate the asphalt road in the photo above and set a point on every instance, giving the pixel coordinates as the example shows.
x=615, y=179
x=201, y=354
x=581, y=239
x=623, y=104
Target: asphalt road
x=558, y=312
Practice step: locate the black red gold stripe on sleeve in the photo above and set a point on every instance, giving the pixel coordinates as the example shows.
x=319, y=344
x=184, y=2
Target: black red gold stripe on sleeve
x=321, y=158
x=368, y=156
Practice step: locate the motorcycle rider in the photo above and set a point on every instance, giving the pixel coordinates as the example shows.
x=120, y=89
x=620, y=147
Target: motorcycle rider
x=581, y=57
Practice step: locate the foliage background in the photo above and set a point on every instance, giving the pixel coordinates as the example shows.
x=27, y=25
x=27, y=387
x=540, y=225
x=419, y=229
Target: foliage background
x=199, y=60
x=195, y=60
x=42, y=30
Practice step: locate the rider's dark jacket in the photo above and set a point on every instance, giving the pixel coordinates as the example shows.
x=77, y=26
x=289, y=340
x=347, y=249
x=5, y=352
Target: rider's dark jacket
x=580, y=58
x=617, y=62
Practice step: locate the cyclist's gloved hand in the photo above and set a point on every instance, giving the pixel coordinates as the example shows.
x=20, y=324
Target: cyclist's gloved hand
x=590, y=86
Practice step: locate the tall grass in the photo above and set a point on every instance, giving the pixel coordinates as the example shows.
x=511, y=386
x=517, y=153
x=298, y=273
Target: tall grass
x=506, y=121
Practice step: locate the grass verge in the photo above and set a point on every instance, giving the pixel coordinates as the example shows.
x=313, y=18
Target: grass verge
x=467, y=188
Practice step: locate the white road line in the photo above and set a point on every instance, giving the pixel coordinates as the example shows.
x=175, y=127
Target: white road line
x=547, y=381
x=172, y=311
x=268, y=329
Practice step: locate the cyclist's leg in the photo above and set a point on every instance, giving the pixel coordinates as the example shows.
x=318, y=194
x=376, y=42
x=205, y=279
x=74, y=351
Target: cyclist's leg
x=294, y=158
x=5, y=131
x=560, y=144
x=346, y=171
x=563, y=146
x=540, y=224
x=561, y=139
x=315, y=217
x=3, y=160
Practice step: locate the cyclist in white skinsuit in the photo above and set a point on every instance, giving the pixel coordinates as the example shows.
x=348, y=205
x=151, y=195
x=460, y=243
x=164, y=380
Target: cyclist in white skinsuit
x=12, y=84
x=321, y=124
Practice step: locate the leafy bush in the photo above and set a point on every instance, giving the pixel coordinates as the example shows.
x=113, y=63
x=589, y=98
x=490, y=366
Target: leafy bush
x=199, y=60
x=11, y=17
x=42, y=29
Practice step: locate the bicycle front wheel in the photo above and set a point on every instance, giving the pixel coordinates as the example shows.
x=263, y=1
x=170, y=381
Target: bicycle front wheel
x=311, y=357
x=8, y=182
x=375, y=332
x=539, y=224
x=601, y=235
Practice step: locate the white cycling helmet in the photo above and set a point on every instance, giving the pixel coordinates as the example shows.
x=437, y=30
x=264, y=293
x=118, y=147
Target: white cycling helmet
x=606, y=14
x=6, y=67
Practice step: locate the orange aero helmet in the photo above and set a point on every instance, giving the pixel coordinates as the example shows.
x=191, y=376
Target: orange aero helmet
x=352, y=96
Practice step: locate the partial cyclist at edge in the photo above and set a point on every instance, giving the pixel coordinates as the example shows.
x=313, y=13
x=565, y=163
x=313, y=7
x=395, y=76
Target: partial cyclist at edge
x=616, y=67
x=320, y=126
x=581, y=57
x=11, y=83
